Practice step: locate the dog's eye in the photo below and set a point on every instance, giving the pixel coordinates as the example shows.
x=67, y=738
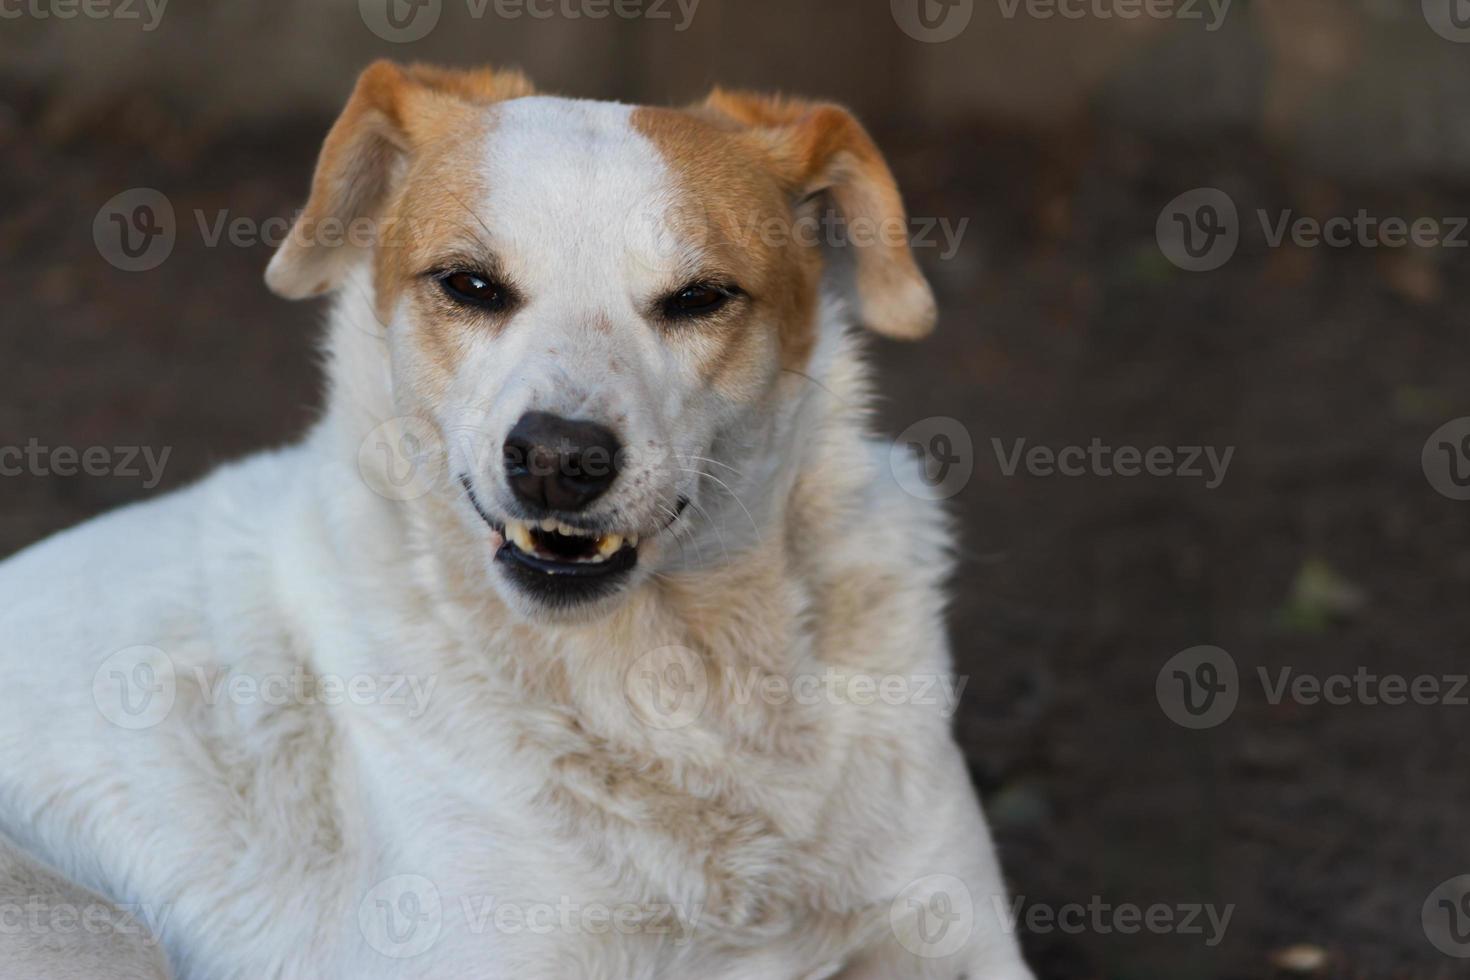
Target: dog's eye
x=699, y=299
x=473, y=289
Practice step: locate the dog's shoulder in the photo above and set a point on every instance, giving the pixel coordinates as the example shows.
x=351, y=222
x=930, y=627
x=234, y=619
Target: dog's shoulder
x=120, y=640
x=45, y=938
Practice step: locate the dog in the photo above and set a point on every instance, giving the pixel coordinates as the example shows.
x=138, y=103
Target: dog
x=582, y=636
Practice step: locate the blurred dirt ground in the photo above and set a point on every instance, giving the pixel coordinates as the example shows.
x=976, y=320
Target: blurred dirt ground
x=1325, y=369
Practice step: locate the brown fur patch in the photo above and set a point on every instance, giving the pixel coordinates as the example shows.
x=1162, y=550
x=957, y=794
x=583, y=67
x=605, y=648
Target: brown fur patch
x=378, y=181
x=741, y=210
x=820, y=148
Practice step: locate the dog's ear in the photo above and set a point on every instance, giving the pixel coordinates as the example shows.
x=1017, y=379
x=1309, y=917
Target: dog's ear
x=392, y=110
x=821, y=149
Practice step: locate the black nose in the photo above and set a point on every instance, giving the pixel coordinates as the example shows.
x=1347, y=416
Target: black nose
x=557, y=464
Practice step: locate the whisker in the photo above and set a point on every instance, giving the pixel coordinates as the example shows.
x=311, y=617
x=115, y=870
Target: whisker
x=803, y=374
x=674, y=526
x=706, y=459
x=727, y=488
x=714, y=527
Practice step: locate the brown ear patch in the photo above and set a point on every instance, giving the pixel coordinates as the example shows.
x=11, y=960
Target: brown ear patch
x=821, y=148
x=393, y=114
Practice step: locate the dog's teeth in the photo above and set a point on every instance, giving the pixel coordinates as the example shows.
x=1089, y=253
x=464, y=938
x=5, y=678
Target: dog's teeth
x=633, y=541
x=569, y=531
x=520, y=536
x=610, y=545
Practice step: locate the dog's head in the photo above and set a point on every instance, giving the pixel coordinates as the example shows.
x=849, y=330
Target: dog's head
x=593, y=303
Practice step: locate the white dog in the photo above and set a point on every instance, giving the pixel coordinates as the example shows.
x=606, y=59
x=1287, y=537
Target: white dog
x=586, y=635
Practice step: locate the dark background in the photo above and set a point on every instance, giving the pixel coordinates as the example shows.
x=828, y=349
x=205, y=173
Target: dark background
x=1326, y=549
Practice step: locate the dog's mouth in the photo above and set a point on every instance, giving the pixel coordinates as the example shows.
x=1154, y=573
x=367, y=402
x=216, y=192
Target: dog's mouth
x=562, y=564
x=554, y=548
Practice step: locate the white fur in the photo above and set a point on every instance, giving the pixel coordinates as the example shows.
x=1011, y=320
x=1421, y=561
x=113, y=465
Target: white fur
x=258, y=834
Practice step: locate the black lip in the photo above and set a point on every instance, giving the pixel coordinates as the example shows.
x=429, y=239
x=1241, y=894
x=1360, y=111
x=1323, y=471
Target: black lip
x=565, y=584
x=623, y=561
x=561, y=583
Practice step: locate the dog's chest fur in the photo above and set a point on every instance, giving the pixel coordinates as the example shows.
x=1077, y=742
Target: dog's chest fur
x=554, y=781
x=708, y=826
